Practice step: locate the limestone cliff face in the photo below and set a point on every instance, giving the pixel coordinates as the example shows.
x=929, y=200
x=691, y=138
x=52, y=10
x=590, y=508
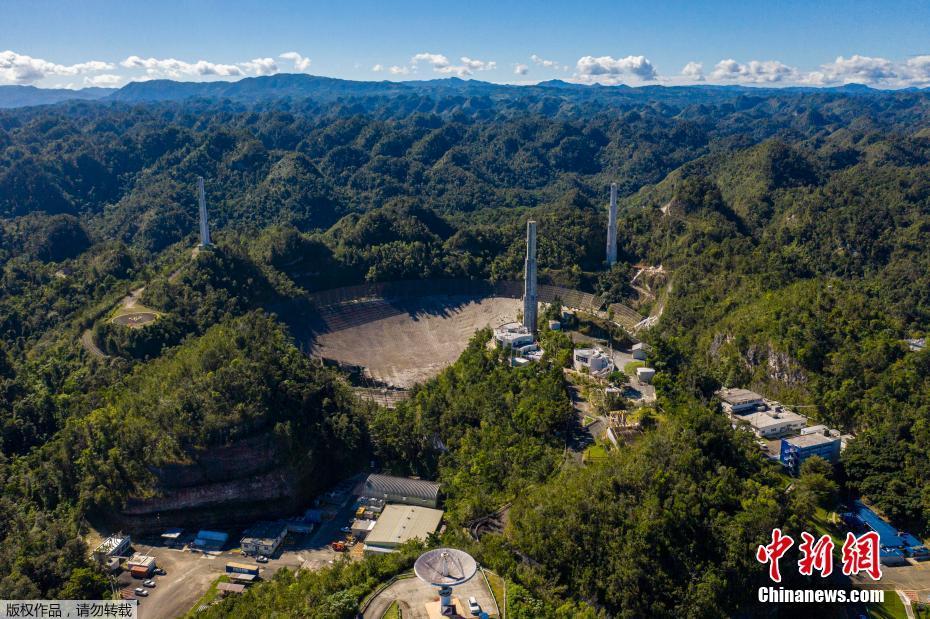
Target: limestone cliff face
x=227, y=484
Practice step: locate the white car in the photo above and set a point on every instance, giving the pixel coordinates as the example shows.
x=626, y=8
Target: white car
x=261, y=559
x=473, y=606
x=141, y=592
x=149, y=583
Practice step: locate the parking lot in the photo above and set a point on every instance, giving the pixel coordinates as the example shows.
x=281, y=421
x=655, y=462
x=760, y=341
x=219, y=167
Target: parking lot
x=189, y=574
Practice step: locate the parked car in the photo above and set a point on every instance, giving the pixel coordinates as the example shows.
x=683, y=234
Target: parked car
x=473, y=606
x=141, y=592
x=346, y=529
x=149, y=583
x=261, y=559
x=160, y=571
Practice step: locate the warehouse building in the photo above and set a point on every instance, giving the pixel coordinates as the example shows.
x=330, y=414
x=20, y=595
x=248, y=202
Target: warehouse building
x=399, y=524
x=737, y=401
x=210, y=540
x=797, y=449
x=404, y=490
x=263, y=538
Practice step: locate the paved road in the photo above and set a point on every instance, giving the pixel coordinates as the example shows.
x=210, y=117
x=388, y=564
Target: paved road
x=87, y=341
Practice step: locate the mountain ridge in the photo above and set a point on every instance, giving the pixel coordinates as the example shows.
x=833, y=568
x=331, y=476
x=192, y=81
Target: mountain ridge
x=300, y=85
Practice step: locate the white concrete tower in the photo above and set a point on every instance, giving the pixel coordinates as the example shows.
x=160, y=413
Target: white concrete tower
x=204, y=226
x=612, y=227
x=530, y=304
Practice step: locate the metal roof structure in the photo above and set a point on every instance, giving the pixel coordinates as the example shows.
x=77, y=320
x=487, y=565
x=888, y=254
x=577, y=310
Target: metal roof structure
x=381, y=485
x=445, y=567
x=400, y=523
x=265, y=531
x=809, y=440
x=738, y=396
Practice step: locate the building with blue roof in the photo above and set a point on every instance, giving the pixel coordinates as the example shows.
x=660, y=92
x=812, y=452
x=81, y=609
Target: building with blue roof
x=796, y=449
x=896, y=545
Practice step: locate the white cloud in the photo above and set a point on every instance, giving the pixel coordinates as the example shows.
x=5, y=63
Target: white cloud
x=521, y=69
x=105, y=80
x=610, y=70
x=478, y=65
x=548, y=64
x=694, y=71
x=863, y=70
x=171, y=67
x=441, y=64
x=23, y=69
x=260, y=66
x=393, y=69
x=301, y=63
x=754, y=72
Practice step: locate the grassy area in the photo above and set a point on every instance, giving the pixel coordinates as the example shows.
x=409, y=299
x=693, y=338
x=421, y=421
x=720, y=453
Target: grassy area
x=207, y=597
x=497, y=589
x=393, y=612
x=595, y=452
x=630, y=368
x=892, y=608
x=922, y=611
x=822, y=523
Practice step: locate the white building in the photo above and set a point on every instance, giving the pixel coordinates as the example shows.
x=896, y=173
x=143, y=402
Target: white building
x=594, y=360
x=773, y=424
x=821, y=429
x=263, y=538
x=739, y=400
x=513, y=335
x=113, y=546
x=645, y=374
x=639, y=351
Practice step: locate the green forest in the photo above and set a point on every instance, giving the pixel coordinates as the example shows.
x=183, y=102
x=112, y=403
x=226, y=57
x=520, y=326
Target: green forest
x=791, y=225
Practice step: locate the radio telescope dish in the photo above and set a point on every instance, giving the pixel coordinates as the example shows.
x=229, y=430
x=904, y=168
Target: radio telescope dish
x=445, y=567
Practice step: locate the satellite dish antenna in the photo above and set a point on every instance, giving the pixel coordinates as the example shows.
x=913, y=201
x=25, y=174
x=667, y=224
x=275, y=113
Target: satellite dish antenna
x=445, y=568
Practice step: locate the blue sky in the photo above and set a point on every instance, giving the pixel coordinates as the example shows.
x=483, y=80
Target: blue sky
x=884, y=44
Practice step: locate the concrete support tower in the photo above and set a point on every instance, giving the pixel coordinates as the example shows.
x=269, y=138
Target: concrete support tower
x=204, y=227
x=612, y=227
x=530, y=304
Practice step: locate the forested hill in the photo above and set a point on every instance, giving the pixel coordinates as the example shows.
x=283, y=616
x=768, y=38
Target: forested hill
x=791, y=225
x=300, y=86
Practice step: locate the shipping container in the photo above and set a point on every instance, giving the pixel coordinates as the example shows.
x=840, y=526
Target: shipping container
x=242, y=568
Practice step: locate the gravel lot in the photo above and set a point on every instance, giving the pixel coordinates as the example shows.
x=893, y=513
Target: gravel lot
x=189, y=574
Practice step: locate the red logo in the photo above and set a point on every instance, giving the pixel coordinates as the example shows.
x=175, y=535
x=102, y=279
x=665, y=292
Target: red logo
x=861, y=554
x=815, y=555
x=774, y=551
